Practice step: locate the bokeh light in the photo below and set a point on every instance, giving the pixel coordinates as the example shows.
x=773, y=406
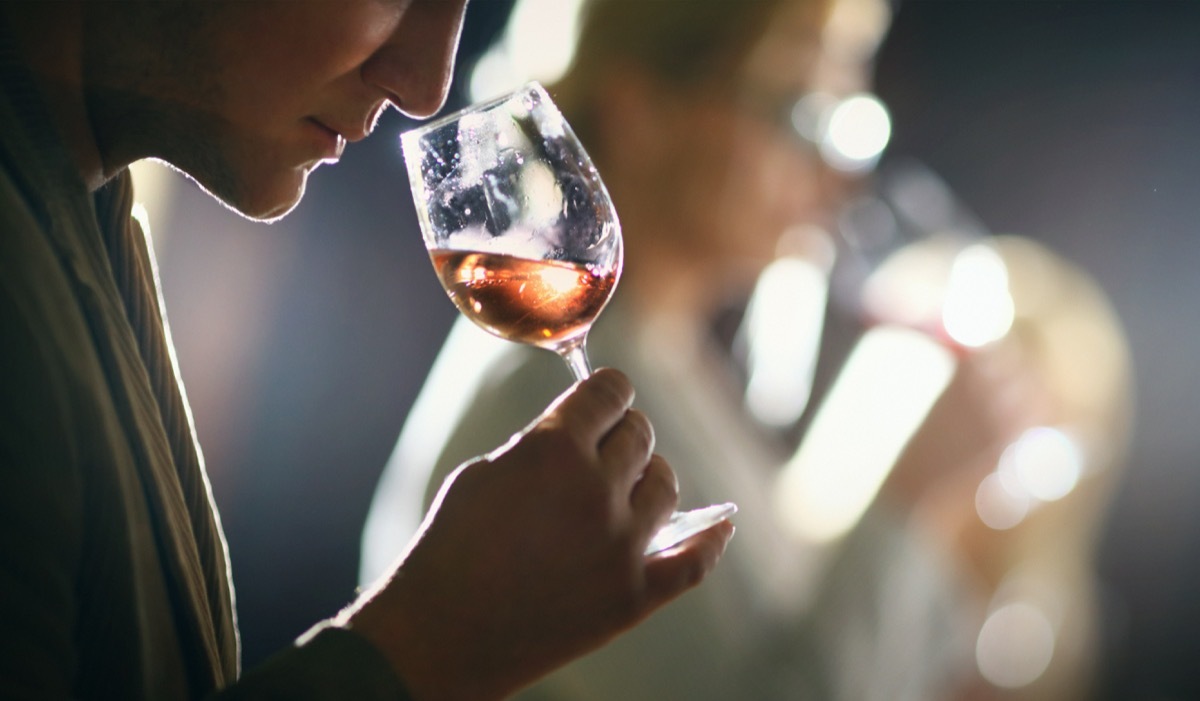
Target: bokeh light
x=855, y=133
x=1015, y=645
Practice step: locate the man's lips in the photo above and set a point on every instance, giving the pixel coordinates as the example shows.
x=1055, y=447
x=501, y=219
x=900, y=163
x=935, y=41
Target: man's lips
x=335, y=142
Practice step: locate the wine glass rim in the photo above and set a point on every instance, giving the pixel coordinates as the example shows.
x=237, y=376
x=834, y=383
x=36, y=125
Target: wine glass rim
x=491, y=103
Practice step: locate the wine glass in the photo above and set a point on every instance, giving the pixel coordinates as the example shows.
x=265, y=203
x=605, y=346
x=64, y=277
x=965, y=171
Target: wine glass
x=523, y=234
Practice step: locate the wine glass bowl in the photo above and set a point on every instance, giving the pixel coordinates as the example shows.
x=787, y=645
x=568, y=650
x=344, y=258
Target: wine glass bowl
x=523, y=234
x=518, y=223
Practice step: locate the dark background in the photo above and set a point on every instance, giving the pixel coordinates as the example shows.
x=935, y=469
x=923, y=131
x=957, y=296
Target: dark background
x=1078, y=123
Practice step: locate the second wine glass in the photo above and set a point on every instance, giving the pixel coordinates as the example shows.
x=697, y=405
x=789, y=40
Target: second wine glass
x=523, y=234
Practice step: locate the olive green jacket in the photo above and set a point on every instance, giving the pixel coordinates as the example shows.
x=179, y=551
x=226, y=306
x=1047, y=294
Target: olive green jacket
x=114, y=580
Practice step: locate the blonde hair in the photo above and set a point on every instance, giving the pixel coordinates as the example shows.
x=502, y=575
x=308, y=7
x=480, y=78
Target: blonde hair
x=680, y=43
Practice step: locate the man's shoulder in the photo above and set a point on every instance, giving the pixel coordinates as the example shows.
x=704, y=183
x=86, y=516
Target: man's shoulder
x=31, y=270
x=41, y=319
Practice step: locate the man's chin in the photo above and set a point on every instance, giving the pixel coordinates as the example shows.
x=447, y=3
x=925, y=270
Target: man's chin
x=271, y=212
x=268, y=203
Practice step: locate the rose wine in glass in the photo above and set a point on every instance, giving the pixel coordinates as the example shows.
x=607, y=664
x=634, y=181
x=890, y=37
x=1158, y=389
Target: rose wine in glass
x=523, y=235
x=548, y=304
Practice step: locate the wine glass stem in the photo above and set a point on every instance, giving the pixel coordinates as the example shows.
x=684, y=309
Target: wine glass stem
x=576, y=358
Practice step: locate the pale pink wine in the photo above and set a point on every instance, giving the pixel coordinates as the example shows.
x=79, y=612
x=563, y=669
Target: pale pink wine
x=539, y=302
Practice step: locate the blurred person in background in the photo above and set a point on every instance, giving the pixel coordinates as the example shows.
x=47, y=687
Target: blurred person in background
x=688, y=112
x=1011, y=470
x=1027, y=533
x=113, y=570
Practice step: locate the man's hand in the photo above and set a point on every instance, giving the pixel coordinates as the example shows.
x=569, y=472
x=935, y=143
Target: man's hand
x=532, y=555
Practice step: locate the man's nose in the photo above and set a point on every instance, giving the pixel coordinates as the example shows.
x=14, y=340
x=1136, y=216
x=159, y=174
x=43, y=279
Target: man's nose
x=415, y=66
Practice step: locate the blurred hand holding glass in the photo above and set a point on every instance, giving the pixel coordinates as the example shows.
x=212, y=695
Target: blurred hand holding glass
x=523, y=234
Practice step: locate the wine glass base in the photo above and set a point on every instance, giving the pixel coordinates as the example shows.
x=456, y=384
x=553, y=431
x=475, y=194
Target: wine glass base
x=685, y=524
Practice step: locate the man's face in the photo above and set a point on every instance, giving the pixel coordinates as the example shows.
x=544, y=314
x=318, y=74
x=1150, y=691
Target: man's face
x=248, y=97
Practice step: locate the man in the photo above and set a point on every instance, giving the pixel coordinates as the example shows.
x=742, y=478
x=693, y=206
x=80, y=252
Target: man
x=113, y=575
